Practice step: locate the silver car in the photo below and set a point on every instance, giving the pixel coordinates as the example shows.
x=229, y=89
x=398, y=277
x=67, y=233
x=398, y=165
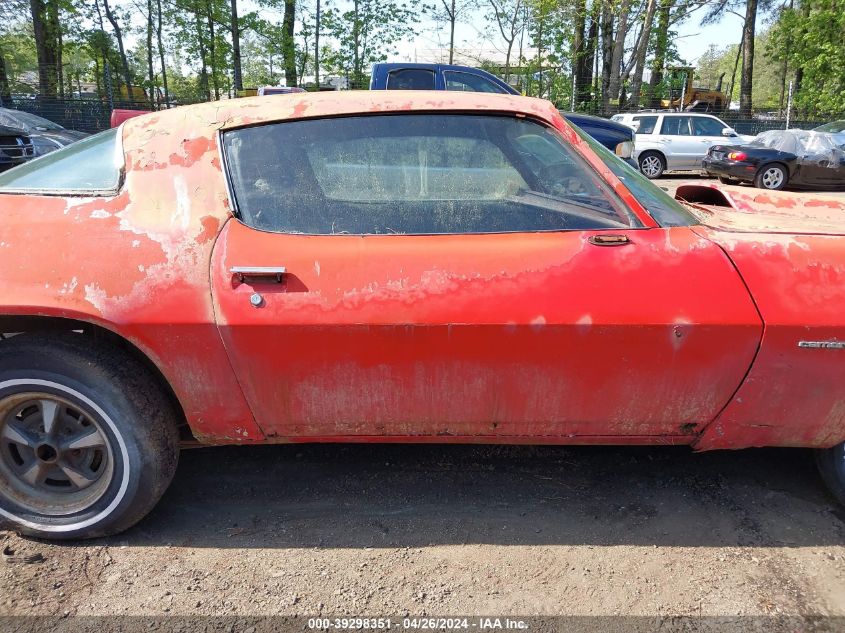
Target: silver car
x=676, y=141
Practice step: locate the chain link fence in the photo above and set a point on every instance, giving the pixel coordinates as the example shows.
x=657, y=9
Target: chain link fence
x=93, y=115
x=84, y=115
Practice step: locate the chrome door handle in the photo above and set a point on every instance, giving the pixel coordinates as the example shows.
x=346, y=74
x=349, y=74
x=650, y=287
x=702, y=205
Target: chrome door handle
x=258, y=272
x=603, y=239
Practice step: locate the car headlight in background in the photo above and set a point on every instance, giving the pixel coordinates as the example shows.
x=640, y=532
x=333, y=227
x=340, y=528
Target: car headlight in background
x=625, y=149
x=44, y=145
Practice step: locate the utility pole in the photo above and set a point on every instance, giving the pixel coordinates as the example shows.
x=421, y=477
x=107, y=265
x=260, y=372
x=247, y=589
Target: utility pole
x=317, y=49
x=789, y=105
x=236, y=48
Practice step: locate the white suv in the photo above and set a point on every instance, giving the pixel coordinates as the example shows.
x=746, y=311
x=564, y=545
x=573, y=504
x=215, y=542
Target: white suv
x=676, y=141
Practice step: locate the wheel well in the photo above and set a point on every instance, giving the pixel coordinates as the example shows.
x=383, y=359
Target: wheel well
x=654, y=151
x=12, y=325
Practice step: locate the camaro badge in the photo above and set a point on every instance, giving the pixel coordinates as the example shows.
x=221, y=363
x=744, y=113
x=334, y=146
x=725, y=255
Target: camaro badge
x=822, y=344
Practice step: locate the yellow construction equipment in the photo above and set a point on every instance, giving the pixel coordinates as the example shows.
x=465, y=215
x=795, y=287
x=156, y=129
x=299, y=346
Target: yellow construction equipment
x=683, y=95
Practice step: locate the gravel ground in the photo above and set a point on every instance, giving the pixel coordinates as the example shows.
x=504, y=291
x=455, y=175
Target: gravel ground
x=428, y=530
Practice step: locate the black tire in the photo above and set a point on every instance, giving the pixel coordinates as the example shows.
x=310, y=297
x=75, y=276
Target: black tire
x=831, y=463
x=772, y=177
x=110, y=431
x=652, y=164
x=726, y=180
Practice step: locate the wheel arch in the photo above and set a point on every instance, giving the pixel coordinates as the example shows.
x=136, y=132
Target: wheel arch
x=101, y=334
x=653, y=150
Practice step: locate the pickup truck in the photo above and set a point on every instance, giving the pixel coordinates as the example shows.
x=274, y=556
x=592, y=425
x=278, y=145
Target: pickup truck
x=617, y=137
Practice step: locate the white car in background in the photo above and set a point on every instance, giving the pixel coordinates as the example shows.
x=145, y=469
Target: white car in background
x=676, y=141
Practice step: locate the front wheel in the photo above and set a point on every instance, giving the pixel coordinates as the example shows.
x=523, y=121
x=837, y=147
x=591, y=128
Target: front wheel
x=652, y=165
x=772, y=177
x=88, y=440
x=831, y=462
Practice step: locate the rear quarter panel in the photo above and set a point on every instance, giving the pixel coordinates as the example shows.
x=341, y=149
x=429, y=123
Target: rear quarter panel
x=792, y=396
x=137, y=264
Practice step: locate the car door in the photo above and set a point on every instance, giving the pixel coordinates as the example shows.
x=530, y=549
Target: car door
x=463, y=276
x=683, y=150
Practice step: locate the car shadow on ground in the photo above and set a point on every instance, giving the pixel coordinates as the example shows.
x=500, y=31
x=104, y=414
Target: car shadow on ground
x=353, y=496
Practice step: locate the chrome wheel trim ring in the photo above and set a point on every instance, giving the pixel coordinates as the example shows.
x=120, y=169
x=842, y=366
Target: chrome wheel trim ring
x=55, y=460
x=120, y=448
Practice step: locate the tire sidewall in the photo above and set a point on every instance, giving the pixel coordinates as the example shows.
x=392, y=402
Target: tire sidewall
x=831, y=463
x=81, y=385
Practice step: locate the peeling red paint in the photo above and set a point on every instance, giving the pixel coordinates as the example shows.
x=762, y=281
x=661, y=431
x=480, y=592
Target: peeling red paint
x=192, y=150
x=210, y=229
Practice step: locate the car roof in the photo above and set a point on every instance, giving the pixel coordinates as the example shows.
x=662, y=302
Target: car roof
x=204, y=119
x=628, y=115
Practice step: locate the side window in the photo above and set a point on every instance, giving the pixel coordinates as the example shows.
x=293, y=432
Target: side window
x=705, y=126
x=662, y=207
x=676, y=126
x=410, y=79
x=470, y=83
x=415, y=174
x=91, y=166
x=647, y=124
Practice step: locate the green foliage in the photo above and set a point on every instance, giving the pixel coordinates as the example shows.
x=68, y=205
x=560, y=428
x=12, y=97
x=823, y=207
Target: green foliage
x=804, y=43
x=811, y=37
x=367, y=33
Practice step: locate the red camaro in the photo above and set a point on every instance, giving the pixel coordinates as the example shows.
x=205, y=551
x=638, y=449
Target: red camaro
x=391, y=267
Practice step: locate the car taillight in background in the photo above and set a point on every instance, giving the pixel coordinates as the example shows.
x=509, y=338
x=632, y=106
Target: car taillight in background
x=739, y=156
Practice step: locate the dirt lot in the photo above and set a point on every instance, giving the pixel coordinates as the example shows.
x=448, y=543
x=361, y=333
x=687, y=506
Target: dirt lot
x=375, y=530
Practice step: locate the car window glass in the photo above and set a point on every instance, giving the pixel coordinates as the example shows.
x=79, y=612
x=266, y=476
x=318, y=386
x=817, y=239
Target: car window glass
x=662, y=207
x=675, y=126
x=91, y=165
x=410, y=79
x=647, y=124
x=470, y=83
x=705, y=126
x=441, y=174
x=836, y=127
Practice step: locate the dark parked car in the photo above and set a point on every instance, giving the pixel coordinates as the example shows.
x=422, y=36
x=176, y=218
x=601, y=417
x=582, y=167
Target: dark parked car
x=46, y=136
x=15, y=147
x=616, y=137
x=777, y=158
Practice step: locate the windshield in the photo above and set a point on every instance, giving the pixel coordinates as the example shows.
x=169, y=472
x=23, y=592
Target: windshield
x=835, y=128
x=29, y=122
x=662, y=207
